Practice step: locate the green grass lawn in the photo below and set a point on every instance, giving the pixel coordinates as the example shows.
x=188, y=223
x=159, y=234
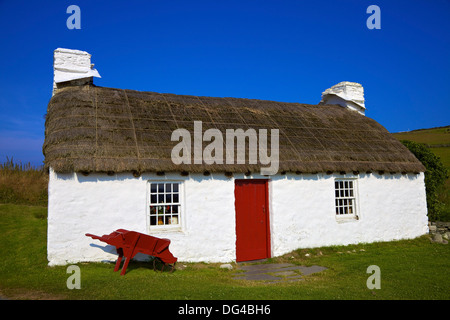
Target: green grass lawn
x=410, y=269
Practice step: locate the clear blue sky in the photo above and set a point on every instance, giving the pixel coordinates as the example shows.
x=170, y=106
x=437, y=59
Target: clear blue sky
x=277, y=50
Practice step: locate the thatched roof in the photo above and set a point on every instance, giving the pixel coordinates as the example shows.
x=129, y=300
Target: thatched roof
x=96, y=129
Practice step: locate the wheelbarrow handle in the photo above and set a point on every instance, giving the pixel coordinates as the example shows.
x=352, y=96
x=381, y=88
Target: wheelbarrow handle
x=93, y=236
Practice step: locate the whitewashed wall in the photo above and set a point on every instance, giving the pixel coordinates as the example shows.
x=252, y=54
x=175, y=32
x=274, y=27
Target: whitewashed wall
x=302, y=213
x=390, y=207
x=100, y=204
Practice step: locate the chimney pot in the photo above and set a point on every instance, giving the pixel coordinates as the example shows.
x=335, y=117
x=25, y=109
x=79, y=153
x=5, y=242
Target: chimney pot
x=346, y=94
x=72, y=67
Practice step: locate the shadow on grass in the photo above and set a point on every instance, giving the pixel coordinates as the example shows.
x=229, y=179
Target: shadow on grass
x=152, y=264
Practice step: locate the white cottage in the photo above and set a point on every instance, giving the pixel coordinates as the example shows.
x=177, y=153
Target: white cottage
x=122, y=159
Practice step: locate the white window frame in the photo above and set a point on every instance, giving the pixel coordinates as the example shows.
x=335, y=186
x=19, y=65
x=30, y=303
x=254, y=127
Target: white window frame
x=149, y=204
x=346, y=205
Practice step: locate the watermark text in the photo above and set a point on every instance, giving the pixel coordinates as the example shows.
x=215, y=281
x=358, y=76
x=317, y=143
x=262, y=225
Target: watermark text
x=74, y=20
x=374, y=281
x=74, y=281
x=374, y=20
x=213, y=153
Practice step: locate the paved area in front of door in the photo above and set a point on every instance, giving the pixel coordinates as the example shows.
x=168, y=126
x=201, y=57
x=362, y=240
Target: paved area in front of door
x=275, y=272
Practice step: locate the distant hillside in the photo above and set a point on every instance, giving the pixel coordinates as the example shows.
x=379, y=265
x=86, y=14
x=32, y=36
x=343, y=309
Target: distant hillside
x=439, y=136
x=436, y=138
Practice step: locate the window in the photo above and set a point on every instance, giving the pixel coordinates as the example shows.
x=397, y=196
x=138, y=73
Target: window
x=165, y=205
x=345, y=198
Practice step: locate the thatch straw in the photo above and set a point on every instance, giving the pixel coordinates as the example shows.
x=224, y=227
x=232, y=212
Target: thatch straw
x=96, y=129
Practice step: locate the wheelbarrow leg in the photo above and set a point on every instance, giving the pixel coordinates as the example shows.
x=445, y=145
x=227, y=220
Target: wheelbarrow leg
x=129, y=254
x=125, y=265
x=119, y=259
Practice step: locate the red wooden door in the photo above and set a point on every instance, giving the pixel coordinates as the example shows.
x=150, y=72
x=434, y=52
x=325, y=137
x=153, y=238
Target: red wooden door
x=252, y=220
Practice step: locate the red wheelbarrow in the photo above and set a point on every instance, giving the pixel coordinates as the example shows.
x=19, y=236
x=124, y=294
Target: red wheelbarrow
x=129, y=243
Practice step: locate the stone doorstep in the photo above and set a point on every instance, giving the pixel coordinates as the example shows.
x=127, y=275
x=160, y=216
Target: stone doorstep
x=283, y=267
x=310, y=270
x=273, y=270
x=286, y=273
x=287, y=279
x=276, y=272
x=265, y=266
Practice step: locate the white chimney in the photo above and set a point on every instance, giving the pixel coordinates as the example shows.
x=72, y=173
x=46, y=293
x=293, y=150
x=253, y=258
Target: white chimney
x=347, y=94
x=72, y=67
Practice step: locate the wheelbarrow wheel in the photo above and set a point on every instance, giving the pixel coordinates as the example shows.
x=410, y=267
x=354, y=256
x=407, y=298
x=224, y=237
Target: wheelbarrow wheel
x=172, y=267
x=154, y=263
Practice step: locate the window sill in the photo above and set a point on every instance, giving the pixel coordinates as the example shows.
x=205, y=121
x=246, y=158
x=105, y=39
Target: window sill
x=165, y=229
x=352, y=218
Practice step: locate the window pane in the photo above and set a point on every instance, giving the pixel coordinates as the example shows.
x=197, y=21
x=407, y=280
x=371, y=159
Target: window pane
x=344, y=197
x=165, y=213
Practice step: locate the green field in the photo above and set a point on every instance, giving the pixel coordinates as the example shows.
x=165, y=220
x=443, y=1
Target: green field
x=438, y=140
x=410, y=269
x=432, y=137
